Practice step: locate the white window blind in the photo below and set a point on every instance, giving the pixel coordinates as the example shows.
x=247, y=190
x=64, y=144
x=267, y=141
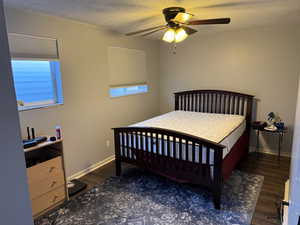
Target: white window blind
x=32, y=47
x=126, y=66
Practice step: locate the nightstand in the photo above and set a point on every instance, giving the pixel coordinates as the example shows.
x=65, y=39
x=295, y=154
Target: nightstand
x=279, y=132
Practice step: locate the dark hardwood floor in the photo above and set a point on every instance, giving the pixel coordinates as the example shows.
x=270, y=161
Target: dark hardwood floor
x=275, y=174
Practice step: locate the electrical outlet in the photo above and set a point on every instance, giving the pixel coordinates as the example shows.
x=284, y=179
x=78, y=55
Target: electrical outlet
x=107, y=143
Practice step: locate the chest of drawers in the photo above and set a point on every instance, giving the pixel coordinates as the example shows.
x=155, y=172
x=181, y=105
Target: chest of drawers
x=46, y=176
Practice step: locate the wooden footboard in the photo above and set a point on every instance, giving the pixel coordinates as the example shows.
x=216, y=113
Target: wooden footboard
x=178, y=156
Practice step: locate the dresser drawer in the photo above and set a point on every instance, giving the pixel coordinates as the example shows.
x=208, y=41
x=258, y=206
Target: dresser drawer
x=37, y=189
x=47, y=200
x=45, y=170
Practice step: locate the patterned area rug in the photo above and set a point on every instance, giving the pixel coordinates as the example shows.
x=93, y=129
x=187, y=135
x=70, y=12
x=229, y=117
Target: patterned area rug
x=141, y=198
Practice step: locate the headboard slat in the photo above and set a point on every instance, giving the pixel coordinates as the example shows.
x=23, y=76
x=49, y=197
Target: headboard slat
x=238, y=105
x=215, y=101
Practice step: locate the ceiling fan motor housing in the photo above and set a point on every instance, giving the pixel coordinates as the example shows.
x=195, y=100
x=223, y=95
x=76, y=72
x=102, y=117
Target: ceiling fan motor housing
x=170, y=13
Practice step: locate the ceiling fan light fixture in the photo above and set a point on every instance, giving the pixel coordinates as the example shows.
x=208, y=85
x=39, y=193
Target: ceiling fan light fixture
x=178, y=25
x=169, y=36
x=180, y=35
x=176, y=36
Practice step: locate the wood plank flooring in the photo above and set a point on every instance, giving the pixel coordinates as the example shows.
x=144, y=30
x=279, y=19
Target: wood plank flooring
x=275, y=174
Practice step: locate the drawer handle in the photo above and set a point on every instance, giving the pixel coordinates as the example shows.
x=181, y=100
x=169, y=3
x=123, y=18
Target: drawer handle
x=55, y=198
x=53, y=183
x=51, y=169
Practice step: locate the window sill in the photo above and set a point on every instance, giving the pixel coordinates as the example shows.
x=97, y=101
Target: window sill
x=27, y=108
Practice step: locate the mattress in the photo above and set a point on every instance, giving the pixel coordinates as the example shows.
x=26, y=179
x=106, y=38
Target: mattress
x=219, y=128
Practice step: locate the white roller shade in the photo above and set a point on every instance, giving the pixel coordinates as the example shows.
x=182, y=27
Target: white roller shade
x=126, y=66
x=26, y=46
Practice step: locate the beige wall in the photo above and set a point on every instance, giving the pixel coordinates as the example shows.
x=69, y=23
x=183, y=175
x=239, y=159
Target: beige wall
x=15, y=204
x=264, y=62
x=88, y=113
x=261, y=61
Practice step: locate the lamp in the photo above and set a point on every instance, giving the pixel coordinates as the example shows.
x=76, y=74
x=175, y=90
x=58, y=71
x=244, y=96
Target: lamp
x=176, y=36
x=169, y=36
x=180, y=35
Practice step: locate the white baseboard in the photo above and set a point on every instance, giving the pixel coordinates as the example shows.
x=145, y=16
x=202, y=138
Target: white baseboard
x=92, y=168
x=270, y=151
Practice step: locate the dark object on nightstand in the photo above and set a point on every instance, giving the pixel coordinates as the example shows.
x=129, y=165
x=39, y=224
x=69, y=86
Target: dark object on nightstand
x=259, y=127
x=28, y=133
x=40, y=139
x=279, y=125
x=33, y=133
x=32, y=140
x=29, y=143
x=77, y=187
x=259, y=124
x=52, y=138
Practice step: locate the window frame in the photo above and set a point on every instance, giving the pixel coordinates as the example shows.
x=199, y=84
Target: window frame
x=57, y=84
x=128, y=86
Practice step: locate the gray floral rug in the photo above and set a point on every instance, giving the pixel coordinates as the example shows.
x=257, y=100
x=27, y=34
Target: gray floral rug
x=141, y=198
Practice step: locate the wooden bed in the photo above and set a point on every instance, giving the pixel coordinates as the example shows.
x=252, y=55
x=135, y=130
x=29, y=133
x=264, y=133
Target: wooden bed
x=204, y=173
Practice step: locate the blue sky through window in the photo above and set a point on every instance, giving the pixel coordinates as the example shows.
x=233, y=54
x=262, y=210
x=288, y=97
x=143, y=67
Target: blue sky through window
x=33, y=81
x=123, y=91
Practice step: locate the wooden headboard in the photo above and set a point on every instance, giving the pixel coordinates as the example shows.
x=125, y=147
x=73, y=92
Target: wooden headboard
x=215, y=101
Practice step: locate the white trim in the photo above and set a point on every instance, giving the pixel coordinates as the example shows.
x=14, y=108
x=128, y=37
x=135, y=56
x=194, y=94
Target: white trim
x=26, y=108
x=270, y=151
x=40, y=103
x=91, y=168
x=128, y=85
x=35, y=59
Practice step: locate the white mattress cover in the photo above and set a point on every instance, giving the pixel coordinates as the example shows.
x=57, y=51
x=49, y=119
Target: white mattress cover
x=220, y=128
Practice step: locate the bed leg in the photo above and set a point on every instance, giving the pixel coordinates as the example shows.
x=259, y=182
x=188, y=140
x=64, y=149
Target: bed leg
x=118, y=167
x=117, y=153
x=217, y=199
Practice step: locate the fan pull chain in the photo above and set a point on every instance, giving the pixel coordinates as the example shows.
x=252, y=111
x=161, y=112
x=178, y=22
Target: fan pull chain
x=174, y=48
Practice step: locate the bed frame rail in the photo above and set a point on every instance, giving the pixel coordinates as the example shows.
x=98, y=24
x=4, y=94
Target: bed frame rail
x=155, y=149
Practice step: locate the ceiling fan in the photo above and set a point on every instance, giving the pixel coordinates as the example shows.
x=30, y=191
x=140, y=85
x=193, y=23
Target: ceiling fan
x=177, y=28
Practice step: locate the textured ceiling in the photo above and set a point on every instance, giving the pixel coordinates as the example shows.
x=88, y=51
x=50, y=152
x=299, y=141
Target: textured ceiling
x=130, y=15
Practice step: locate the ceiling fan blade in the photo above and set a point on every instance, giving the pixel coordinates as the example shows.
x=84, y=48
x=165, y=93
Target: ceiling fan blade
x=144, y=30
x=189, y=30
x=162, y=28
x=228, y=4
x=182, y=17
x=238, y=4
x=210, y=21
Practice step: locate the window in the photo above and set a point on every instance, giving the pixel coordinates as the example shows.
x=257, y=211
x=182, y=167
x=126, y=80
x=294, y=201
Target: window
x=129, y=90
x=37, y=83
x=36, y=70
x=127, y=71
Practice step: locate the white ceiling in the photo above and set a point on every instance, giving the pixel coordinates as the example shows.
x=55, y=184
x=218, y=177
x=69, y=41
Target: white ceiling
x=130, y=15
